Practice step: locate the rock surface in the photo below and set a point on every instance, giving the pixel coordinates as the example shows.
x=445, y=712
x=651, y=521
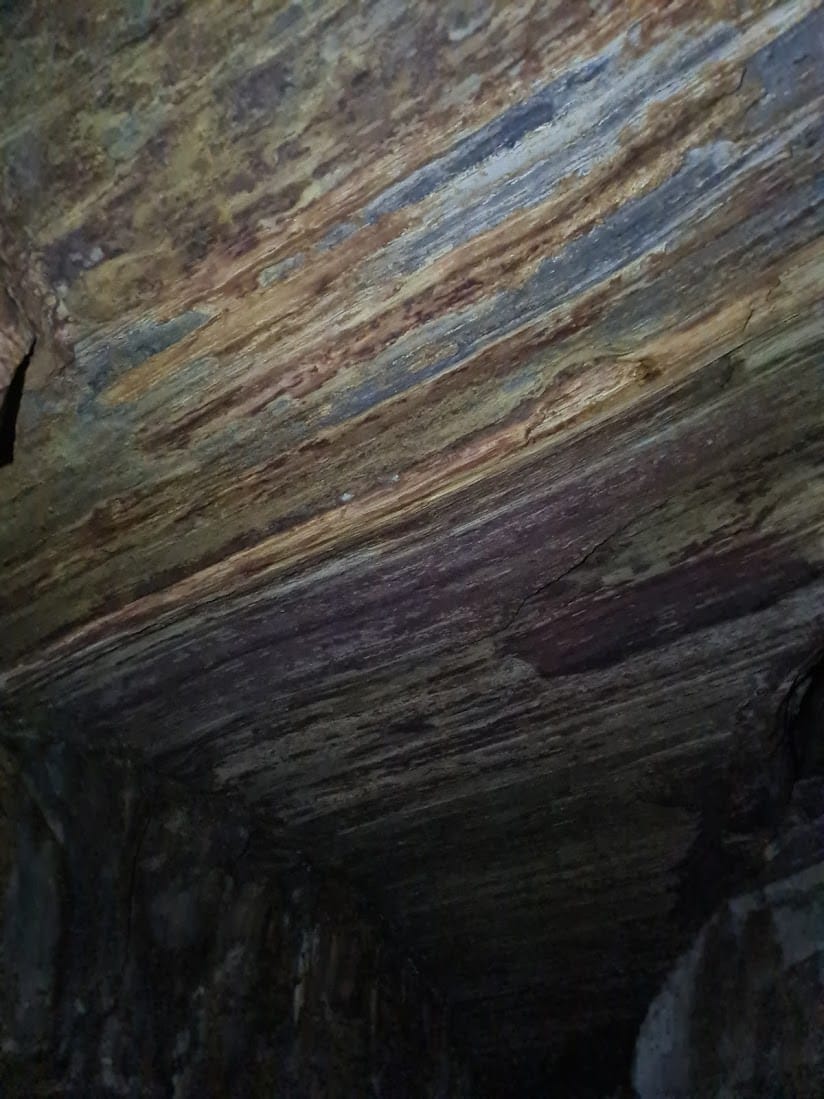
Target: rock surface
x=152, y=946
x=742, y=1014
x=423, y=443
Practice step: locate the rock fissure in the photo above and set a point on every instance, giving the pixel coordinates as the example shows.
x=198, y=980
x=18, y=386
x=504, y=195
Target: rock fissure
x=134, y=865
x=580, y=564
x=10, y=407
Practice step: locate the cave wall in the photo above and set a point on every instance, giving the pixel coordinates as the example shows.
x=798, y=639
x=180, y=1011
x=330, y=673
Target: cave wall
x=742, y=1013
x=152, y=943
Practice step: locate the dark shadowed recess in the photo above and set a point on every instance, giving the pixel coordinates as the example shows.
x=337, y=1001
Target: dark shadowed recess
x=11, y=407
x=804, y=721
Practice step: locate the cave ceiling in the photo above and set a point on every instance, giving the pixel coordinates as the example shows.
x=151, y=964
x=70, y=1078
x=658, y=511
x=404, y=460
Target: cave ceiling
x=421, y=440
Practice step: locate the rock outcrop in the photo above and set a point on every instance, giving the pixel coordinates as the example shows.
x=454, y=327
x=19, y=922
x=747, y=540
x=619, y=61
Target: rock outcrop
x=742, y=1015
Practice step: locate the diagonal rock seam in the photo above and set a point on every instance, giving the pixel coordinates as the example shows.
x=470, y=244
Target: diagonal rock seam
x=579, y=564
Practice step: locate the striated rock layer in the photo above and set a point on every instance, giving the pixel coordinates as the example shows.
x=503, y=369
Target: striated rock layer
x=423, y=441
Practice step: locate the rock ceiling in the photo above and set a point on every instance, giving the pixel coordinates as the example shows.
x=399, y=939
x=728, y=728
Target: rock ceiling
x=423, y=440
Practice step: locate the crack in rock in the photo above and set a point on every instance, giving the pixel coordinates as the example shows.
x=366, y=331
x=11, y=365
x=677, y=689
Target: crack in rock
x=571, y=569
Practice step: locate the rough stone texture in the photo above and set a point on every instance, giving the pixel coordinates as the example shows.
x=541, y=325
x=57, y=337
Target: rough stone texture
x=424, y=443
x=152, y=946
x=742, y=1015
